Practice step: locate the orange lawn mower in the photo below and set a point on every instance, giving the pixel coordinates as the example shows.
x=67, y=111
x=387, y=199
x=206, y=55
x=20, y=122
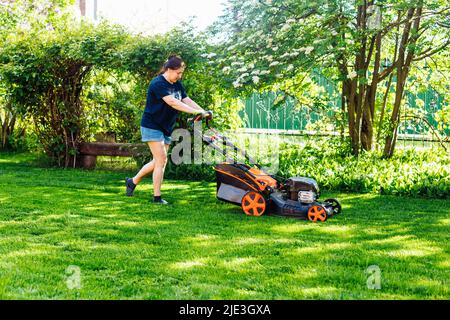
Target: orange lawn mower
x=258, y=192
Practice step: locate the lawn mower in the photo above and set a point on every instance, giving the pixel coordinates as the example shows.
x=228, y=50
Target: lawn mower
x=258, y=192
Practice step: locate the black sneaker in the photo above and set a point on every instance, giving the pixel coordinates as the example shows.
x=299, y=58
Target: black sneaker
x=130, y=186
x=160, y=201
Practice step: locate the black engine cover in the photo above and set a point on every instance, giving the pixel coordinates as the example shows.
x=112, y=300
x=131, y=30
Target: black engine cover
x=296, y=184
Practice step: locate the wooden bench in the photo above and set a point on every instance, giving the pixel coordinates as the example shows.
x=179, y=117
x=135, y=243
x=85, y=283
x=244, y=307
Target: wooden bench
x=88, y=152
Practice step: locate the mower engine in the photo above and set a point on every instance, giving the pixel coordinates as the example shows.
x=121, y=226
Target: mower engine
x=298, y=197
x=304, y=190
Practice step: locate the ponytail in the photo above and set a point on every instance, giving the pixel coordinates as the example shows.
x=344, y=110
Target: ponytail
x=173, y=62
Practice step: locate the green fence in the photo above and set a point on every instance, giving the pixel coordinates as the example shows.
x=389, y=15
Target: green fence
x=260, y=113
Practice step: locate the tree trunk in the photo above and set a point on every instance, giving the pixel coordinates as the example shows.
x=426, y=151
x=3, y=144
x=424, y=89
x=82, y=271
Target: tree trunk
x=353, y=127
x=407, y=45
x=8, y=124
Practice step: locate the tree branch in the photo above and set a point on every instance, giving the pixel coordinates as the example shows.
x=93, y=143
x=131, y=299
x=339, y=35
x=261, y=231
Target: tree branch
x=369, y=54
x=407, y=117
x=424, y=54
x=386, y=72
x=389, y=27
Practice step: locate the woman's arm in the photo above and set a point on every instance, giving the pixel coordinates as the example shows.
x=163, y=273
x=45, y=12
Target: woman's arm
x=181, y=106
x=191, y=103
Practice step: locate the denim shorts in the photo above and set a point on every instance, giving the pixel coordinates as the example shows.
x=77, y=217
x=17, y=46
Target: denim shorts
x=154, y=135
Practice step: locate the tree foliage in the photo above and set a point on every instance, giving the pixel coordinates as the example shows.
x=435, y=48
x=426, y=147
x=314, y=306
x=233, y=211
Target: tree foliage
x=367, y=46
x=73, y=79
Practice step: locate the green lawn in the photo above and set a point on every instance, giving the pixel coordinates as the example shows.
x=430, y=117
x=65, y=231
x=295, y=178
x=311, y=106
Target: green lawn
x=199, y=248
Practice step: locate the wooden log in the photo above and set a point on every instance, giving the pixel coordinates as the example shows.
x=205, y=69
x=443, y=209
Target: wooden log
x=111, y=149
x=87, y=161
x=88, y=152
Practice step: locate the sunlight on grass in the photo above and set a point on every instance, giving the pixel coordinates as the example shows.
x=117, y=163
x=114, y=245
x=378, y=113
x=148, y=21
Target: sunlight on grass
x=388, y=240
x=29, y=252
x=189, y=264
x=409, y=246
x=444, y=264
x=444, y=222
x=247, y=241
x=410, y=253
x=314, y=292
x=429, y=282
x=246, y=293
x=341, y=231
x=242, y=264
x=319, y=248
x=127, y=223
x=294, y=228
x=282, y=241
x=201, y=240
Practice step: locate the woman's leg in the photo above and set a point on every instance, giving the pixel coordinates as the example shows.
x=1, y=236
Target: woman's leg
x=148, y=168
x=145, y=171
x=159, y=152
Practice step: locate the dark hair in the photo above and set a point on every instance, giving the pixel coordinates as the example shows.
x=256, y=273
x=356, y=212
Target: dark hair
x=173, y=62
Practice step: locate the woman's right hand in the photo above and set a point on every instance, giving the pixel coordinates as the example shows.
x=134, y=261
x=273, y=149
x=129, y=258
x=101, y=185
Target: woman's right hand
x=207, y=114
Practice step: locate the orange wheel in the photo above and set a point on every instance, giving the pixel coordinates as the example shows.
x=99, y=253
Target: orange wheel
x=317, y=212
x=253, y=204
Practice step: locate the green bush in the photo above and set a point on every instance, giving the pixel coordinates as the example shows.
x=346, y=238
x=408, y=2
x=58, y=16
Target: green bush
x=410, y=172
x=24, y=139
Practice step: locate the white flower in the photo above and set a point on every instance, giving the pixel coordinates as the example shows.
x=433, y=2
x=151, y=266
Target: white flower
x=255, y=79
x=334, y=33
x=290, y=67
x=226, y=70
x=263, y=72
x=211, y=55
x=251, y=65
x=273, y=64
x=285, y=27
x=352, y=75
x=244, y=75
x=236, y=84
x=275, y=48
x=308, y=50
x=236, y=63
x=243, y=69
x=255, y=72
x=269, y=58
x=290, y=21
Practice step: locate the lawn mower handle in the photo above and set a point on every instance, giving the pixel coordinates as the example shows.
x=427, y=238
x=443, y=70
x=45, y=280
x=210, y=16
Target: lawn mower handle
x=205, y=115
x=212, y=141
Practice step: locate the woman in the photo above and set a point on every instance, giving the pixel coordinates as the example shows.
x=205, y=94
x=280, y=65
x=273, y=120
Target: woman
x=166, y=97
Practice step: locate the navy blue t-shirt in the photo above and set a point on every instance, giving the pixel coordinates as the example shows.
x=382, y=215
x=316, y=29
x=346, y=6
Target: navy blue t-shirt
x=158, y=114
